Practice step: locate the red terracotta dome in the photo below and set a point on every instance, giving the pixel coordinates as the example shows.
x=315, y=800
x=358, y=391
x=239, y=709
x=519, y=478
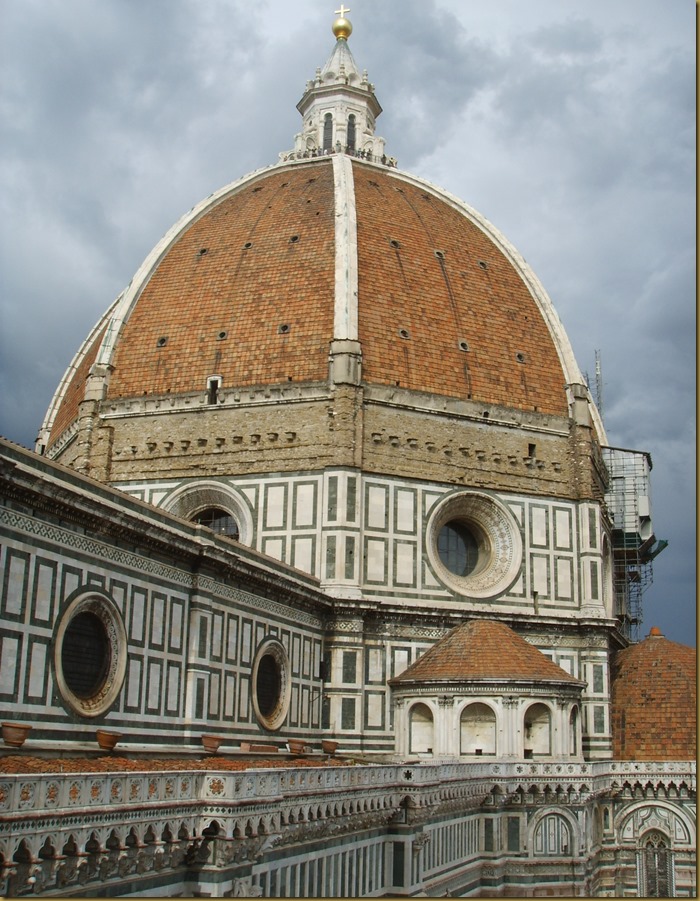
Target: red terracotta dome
x=484, y=650
x=250, y=286
x=654, y=701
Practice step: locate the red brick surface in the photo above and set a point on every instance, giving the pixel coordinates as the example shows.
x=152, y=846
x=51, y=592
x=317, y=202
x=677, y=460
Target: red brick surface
x=209, y=283
x=246, y=292
x=443, y=302
x=483, y=649
x=654, y=701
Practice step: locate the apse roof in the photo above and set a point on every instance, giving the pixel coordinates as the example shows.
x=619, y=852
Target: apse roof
x=654, y=701
x=483, y=650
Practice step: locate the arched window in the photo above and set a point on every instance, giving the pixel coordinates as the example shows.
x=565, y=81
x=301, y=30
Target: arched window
x=655, y=866
x=328, y=132
x=573, y=732
x=218, y=520
x=351, y=133
x=537, y=731
x=553, y=837
x=421, y=726
x=477, y=728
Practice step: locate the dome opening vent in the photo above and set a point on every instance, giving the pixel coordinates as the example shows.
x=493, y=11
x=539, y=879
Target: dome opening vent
x=247, y=245
x=520, y=357
x=283, y=328
x=222, y=335
x=294, y=239
x=404, y=333
x=395, y=244
x=463, y=345
x=440, y=254
x=483, y=264
x=203, y=251
x=162, y=341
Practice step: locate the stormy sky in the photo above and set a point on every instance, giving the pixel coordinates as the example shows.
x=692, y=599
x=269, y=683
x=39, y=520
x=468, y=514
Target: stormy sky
x=571, y=126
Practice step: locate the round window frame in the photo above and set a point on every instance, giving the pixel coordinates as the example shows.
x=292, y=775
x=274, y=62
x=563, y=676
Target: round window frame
x=273, y=722
x=498, y=536
x=107, y=612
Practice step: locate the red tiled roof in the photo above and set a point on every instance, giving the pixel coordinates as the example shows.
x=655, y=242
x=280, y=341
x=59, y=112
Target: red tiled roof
x=469, y=293
x=19, y=764
x=654, y=701
x=483, y=650
x=247, y=292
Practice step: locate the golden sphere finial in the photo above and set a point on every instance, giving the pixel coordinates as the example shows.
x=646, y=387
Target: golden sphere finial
x=342, y=28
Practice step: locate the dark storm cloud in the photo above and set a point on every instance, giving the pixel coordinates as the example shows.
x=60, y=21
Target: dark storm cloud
x=571, y=126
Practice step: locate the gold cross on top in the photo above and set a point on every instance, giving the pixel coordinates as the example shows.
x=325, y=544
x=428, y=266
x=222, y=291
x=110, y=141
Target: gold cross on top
x=341, y=12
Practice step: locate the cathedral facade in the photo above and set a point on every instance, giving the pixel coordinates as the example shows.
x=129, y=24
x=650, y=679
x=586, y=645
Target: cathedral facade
x=326, y=486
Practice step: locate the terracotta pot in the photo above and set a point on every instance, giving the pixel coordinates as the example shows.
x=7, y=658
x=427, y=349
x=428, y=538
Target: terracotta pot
x=328, y=746
x=211, y=743
x=14, y=734
x=107, y=740
x=296, y=746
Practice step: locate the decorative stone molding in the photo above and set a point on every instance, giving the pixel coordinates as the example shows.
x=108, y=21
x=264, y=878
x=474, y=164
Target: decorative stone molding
x=106, y=683
x=496, y=533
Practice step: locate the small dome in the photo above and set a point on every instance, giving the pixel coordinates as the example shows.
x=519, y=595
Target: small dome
x=483, y=650
x=654, y=697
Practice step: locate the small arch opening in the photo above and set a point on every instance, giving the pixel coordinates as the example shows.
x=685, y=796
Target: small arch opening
x=218, y=520
x=351, y=133
x=328, y=132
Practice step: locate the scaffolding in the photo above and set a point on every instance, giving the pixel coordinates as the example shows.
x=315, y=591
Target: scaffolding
x=634, y=544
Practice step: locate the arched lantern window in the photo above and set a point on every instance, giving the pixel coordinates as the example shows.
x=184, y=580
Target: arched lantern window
x=328, y=132
x=351, y=133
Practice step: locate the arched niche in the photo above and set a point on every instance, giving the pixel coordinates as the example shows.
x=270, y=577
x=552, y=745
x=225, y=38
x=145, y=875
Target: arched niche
x=421, y=729
x=477, y=730
x=537, y=731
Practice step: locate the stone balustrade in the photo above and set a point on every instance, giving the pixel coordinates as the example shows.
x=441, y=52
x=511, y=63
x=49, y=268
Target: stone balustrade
x=61, y=829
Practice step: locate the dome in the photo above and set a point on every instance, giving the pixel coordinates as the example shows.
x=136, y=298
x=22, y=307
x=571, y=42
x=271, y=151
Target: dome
x=484, y=651
x=654, y=701
x=256, y=283
x=333, y=312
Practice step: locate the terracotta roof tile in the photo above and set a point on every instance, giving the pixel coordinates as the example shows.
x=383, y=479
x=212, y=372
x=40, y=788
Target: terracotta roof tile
x=483, y=650
x=471, y=293
x=654, y=701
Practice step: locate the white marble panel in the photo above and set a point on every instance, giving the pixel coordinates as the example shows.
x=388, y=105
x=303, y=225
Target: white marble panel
x=154, y=670
x=274, y=511
x=538, y=526
x=173, y=688
x=158, y=617
x=376, y=560
x=377, y=507
x=405, y=510
x=14, y=599
x=8, y=664
x=43, y=601
x=37, y=670
x=564, y=585
x=405, y=558
x=303, y=554
x=304, y=509
x=375, y=710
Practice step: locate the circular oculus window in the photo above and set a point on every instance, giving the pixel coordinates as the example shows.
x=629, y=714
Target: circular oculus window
x=474, y=545
x=272, y=686
x=90, y=655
